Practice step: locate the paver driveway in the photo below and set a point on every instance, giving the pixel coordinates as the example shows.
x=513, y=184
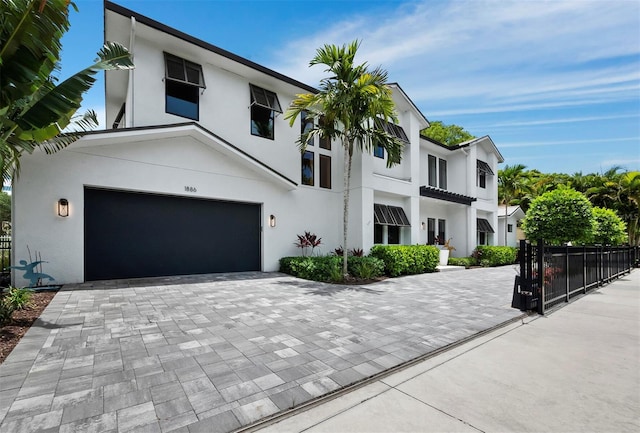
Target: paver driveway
x=216, y=352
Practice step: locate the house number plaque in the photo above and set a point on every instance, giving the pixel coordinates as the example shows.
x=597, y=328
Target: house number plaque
x=190, y=189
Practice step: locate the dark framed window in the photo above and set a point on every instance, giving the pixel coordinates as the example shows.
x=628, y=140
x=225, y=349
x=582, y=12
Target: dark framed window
x=433, y=177
x=378, y=151
x=431, y=231
x=442, y=231
x=377, y=233
x=510, y=228
x=306, y=124
x=482, y=180
x=482, y=238
x=307, y=168
x=393, y=235
x=183, y=81
x=264, y=105
x=325, y=171
x=442, y=173
x=483, y=171
x=325, y=142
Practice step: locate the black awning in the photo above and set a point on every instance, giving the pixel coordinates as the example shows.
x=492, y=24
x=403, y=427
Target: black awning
x=264, y=98
x=390, y=215
x=484, y=226
x=483, y=167
x=441, y=194
x=394, y=130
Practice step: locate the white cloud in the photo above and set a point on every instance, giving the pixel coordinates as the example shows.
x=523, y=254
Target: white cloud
x=566, y=142
x=540, y=122
x=491, y=56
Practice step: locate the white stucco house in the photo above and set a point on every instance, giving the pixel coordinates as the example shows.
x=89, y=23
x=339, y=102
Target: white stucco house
x=198, y=172
x=511, y=216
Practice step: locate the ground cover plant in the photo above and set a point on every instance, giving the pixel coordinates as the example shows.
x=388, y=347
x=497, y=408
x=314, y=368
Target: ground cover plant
x=20, y=320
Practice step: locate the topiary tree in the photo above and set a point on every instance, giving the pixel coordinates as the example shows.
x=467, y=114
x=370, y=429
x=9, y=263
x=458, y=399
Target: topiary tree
x=608, y=227
x=558, y=216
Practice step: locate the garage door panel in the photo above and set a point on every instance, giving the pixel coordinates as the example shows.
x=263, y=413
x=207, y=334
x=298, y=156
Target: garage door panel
x=131, y=235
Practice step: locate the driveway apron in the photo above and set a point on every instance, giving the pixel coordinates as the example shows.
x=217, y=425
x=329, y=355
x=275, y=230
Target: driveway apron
x=220, y=351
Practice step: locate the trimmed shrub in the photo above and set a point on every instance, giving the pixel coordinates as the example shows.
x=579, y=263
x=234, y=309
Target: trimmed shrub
x=406, y=259
x=495, y=256
x=467, y=262
x=365, y=268
x=316, y=268
x=329, y=268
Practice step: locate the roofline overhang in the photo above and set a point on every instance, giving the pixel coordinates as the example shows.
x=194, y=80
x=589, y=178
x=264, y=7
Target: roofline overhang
x=186, y=129
x=411, y=103
x=487, y=139
x=142, y=19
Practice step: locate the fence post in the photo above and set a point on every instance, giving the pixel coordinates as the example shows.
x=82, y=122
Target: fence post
x=584, y=268
x=566, y=272
x=540, y=262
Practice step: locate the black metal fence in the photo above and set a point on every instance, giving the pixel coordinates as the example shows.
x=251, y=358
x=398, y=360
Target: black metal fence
x=5, y=260
x=551, y=275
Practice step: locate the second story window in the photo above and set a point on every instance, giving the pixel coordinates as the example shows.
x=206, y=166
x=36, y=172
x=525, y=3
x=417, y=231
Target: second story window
x=378, y=151
x=483, y=171
x=264, y=105
x=433, y=174
x=307, y=168
x=442, y=173
x=183, y=81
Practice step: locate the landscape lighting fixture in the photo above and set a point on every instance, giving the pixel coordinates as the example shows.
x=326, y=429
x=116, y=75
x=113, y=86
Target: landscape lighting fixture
x=63, y=207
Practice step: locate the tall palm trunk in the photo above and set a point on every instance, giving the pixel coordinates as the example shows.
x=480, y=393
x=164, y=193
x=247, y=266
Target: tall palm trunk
x=348, y=155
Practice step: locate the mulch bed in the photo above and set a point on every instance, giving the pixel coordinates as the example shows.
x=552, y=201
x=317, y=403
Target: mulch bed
x=21, y=320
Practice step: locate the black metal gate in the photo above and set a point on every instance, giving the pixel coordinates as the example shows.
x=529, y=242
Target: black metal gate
x=550, y=275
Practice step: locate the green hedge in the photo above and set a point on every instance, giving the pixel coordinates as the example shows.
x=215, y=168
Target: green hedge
x=406, y=259
x=495, y=256
x=329, y=268
x=467, y=262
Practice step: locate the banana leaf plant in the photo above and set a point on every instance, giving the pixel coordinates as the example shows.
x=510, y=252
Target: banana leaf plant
x=35, y=110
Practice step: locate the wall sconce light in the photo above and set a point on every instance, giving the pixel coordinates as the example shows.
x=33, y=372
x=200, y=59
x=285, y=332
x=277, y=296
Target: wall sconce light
x=63, y=207
x=272, y=220
x=423, y=226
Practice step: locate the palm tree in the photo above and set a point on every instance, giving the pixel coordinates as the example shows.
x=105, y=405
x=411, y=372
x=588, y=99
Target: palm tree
x=351, y=103
x=510, y=183
x=34, y=110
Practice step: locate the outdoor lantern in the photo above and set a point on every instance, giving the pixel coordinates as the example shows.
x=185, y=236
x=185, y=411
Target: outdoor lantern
x=272, y=221
x=423, y=225
x=63, y=207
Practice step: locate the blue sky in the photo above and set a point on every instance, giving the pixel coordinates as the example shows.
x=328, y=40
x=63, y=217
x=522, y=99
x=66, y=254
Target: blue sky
x=555, y=84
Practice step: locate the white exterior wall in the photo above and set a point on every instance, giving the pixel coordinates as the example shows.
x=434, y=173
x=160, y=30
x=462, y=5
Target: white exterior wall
x=164, y=161
x=161, y=166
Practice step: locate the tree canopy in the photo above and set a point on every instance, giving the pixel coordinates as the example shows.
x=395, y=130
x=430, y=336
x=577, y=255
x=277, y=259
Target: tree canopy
x=34, y=109
x=614, y=189
x=449, y=135
x=351, y=106
x=559, y=216
x=608, y=228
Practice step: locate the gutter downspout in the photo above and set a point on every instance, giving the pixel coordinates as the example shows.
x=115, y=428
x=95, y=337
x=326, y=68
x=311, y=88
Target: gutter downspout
x=129, y=101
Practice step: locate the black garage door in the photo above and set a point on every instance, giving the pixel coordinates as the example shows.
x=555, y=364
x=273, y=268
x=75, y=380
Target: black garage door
x=129, y=235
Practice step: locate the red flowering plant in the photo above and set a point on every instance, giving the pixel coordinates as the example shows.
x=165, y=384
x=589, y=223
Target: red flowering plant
x=306, y=241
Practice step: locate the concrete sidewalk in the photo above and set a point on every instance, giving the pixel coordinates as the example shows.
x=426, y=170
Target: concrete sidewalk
x=576, y=369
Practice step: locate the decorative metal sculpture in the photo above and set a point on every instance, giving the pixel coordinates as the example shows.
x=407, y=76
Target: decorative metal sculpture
x=34, y=277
